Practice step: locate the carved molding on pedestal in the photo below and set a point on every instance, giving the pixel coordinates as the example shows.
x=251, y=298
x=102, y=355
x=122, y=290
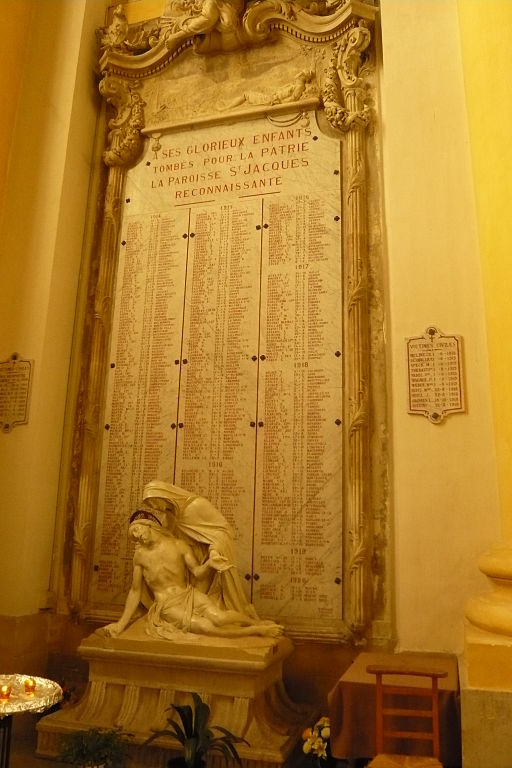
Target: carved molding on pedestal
x=492, y=612
x=342, y=32
x=133, y=682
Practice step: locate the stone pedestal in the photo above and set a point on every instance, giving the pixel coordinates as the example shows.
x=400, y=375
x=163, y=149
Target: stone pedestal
x=133, y=680
x=486, y=668
x=486, y=699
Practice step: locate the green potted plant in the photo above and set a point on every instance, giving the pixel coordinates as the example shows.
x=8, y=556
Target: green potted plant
x=197, y=738
x=95, y=748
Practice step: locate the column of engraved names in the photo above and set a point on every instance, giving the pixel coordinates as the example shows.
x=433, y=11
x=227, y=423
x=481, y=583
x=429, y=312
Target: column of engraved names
x=196, y=401
x=116, y=495
x=279, y=482
x=447, y=388
x=239, y=381
x=300, y=397
x=135, y=441
x=321, y=563
x=219, y=389
x=164, y=348
x=275, y=443
x=302, y=291
x=421, y=374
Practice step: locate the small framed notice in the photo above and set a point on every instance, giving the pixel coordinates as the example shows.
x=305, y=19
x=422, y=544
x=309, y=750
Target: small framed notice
x=434, y=365
x=15, y=383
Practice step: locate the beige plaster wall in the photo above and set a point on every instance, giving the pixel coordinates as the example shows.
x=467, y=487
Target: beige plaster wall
x=16, y=16
x=444, y=476
x=41, y=234
x=486, y=30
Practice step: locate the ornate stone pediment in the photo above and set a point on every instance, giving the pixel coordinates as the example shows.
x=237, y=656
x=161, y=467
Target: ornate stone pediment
x=215, y=26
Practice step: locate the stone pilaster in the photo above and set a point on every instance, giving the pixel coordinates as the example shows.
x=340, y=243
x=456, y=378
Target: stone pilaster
x=486, y=669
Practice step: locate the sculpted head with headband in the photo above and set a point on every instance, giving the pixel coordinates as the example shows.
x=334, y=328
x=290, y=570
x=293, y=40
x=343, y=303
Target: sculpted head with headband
x=161, y=496
x=148, y=516
x=155, y=519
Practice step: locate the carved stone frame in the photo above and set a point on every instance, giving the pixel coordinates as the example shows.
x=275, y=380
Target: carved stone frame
x=345, y=98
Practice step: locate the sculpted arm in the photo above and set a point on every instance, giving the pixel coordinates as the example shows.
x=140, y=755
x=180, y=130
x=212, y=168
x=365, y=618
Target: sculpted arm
x=192, y=563
x=132, y=602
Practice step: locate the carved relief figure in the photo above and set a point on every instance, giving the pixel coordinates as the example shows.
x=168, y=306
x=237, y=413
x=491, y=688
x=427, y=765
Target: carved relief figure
x=119, y=37
x=290, y=92
x=216, y=20
x=182, y=593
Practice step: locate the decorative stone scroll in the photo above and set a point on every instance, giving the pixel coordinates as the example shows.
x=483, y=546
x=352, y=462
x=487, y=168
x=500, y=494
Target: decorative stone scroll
x=434, y=366
x=328, y=66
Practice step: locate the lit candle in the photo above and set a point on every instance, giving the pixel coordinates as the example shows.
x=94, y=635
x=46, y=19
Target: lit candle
x=5, y=692
x=30, y=685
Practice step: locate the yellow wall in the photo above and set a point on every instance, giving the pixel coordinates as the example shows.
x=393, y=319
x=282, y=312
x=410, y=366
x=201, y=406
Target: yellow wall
x=41, y=239
x=444, y=484
x=486, y=34
x=15, y=17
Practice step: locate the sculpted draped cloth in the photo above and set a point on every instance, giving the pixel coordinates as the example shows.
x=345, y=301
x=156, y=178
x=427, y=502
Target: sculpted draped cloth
x=174, y=613
x=197, y=520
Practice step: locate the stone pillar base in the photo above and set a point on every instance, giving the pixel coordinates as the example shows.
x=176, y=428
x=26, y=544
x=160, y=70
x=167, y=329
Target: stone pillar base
x=133, y=680
x=486, y=699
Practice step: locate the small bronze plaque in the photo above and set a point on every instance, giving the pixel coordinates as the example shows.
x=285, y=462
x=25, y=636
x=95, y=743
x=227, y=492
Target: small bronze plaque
x=15, y=383
x=434, y=364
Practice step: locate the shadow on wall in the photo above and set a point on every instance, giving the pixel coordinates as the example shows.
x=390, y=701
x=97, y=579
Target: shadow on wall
x=313, y=669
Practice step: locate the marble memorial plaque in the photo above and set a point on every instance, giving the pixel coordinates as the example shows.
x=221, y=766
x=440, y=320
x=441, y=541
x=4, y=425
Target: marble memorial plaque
x=434, y=364
x=226, y=373
x=15, y=383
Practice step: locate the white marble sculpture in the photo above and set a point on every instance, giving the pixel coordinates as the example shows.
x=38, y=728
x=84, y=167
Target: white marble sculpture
x=184, y=570
x=290, y=92
x=217, y=21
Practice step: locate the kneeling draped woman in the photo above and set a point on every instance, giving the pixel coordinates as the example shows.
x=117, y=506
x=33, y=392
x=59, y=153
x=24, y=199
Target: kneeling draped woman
x=166, y=565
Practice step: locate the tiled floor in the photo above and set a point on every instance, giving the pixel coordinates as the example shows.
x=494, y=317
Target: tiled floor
x=25, y=758
x=23, y=745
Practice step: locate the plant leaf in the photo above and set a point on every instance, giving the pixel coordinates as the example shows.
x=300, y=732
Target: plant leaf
x=190, y=751
x=227, y=750
x=202, y=715
x=178, y=731
x=231, y=736
x=186, y=717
